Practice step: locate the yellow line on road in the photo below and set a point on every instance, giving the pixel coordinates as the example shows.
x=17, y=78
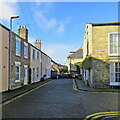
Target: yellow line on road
x=113, y=114
x=77, y=89
x=101, y=113
x=9, y=101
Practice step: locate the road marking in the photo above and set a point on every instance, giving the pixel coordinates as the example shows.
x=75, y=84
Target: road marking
x=19, y=96
x=96, y=115
x=115, y=114
x=77, y=89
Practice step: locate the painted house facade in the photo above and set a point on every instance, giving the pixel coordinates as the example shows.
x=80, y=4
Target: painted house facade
x=73, y=58
x=4, y=58
x=46, y=65
x=35, y=64
x=101, y=54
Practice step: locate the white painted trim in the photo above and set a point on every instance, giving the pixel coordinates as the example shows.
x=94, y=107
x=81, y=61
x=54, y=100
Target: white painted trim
x=19, y=40
x=114, y=60
x=25, y=66
x=118, y=54
x=115, y=83
x=26, y=44
x=18, y=64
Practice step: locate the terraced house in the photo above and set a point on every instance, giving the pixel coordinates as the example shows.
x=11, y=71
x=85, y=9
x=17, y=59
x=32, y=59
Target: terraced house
x=28, y=62
x=35, y=62
x=20, y=59
x=101, y=54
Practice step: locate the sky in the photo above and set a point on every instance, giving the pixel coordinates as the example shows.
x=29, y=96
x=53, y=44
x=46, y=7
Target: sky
x=59, y=25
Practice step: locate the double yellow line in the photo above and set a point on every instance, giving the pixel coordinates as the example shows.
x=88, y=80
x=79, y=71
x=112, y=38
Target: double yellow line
x=102, y=114
x=19, y=96
x=77, y=89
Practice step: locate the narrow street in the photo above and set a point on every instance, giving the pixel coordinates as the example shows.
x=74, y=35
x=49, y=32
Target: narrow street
x=58, y=99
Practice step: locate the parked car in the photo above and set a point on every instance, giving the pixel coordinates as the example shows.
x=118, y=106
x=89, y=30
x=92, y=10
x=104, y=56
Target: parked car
x=78, y=76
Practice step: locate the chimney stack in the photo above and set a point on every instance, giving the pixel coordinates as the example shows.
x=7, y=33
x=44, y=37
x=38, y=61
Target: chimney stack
x=38, y=44
x=23, y=32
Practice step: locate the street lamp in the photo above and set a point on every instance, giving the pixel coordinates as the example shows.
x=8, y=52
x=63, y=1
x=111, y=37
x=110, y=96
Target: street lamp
x=10, y=47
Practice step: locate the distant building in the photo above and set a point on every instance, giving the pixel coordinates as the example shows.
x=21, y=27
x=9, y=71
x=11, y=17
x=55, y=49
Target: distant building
x=74, y=58
x=46, y=65
x=101, y=54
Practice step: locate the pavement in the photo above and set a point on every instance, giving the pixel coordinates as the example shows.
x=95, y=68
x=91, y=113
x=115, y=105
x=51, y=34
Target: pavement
x=80, y=85
x=7, y=95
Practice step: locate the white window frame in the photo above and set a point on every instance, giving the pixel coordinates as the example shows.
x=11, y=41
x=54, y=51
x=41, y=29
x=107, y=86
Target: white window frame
x=18, y=64
x=113, y=54
x=19, y=40
x=32, y=54
x=114, y=83
x=25, y=44
x=38, y=73
x=38, y=58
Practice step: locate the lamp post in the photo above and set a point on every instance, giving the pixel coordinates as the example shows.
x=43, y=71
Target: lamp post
x=10, y=47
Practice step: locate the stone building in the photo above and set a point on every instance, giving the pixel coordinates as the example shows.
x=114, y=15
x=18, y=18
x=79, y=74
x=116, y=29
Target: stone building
x=20, y=60
x=74, y=58
x=101, y=54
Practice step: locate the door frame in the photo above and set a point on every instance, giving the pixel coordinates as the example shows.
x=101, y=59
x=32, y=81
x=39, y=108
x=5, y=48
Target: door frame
x=25, y=74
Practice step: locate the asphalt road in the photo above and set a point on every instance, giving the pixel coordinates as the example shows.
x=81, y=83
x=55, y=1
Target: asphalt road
x=58, y=99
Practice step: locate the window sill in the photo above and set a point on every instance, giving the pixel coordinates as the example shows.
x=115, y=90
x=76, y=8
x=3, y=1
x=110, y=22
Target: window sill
x=115, y=83
x=26, y=57
x=113, y=55
x=17, y=81
x=18, y=55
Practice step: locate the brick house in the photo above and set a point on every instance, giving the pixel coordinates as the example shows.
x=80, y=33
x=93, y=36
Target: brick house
x=101, y=54
x=74, y=58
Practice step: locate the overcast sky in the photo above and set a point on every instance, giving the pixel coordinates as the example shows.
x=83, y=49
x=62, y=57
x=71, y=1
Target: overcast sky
x=59, y=25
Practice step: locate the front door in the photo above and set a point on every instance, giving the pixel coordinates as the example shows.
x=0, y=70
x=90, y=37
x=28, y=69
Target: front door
x=25, y=75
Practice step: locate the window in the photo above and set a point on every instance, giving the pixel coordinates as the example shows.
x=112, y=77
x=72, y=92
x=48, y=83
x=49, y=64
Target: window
x=17, y=71
x=37, y=55
x=25, y=50
x=114, y=44
x=33, y=74
x=37, y=72
x=18, y=46
x=114, y=72
x=34, y=54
